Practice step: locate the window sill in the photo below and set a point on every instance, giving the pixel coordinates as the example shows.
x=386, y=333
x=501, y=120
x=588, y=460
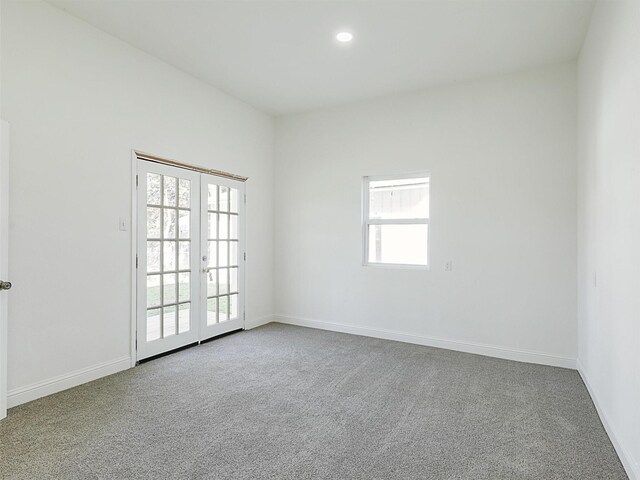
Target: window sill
x=398, y=266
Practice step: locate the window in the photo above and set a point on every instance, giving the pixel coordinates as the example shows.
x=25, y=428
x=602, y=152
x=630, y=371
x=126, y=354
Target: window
x=396, y=220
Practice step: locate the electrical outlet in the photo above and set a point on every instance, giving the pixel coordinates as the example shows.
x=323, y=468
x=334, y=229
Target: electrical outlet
x=448, y=266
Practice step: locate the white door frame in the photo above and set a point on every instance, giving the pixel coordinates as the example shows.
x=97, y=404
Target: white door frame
x=4, y=257
x=134, y=263
x=134, y=260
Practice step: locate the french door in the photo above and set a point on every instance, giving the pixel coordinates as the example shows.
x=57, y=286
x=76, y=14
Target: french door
x=190, y=257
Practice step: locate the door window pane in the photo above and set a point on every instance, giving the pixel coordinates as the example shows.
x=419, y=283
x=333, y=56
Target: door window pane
x=169, y=223
x=233, y=253
x=212, y=310
x=212, y=197
x=223, y=308
x=223, y=254
x=170, y=191
x=153, y=189
x=212, y=254
x=153, y=222
x=169, y=321
x=233, y=279
x=153, y=257
x=184, y=193
x=153, y=324
x=213, y=225
x=233, y=306
x=169, y=255
x=224, y=199
x=212, y=283
x=169, y=289
x=233, y=227
x=184, y=318
x=223, y=283
x=223, y=226
x=234, y=200
x=184, y=257
x=184, y=224
x=153, y=290
x=184, y=287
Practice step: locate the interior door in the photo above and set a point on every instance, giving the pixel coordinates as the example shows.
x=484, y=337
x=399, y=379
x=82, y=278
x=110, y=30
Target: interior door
x=222, y=237
x=4, y=257
x=168, y=273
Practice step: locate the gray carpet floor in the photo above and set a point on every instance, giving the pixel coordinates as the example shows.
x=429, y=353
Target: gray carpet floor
x=282, y=402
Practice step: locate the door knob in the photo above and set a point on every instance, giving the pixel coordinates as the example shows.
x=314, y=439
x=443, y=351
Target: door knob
x=5, y=285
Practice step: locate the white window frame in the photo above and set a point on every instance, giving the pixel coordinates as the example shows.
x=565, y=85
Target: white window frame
x=366, y=221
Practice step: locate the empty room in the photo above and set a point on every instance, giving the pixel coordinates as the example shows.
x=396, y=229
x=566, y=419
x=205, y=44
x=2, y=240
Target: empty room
x=320, y=239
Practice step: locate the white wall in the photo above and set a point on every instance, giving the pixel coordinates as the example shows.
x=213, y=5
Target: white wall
x=501, y=153
x=502, y=156
x=78, y=101
x=609, y=222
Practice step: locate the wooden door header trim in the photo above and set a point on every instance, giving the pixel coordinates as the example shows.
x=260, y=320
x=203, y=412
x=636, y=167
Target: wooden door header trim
x=173, y=163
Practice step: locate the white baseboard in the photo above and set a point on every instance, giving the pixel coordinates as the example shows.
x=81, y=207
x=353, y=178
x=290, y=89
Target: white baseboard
x=28, y=393
x=460, y=346
x=21, y=395
x=258, y=322
x=631, y=466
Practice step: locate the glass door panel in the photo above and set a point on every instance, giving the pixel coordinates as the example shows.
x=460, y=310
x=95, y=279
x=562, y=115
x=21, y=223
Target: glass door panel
x=168, y=299
x=190, y=251
x=223, y=222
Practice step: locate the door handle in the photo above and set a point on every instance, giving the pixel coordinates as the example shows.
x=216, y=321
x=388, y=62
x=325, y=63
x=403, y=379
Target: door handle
x=5, y=285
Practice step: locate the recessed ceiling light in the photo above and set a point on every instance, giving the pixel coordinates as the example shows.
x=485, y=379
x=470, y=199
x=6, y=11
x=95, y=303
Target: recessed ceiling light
x=344, y=37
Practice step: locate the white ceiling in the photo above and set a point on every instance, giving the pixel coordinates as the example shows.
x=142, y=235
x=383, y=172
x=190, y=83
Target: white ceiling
x=281, y=57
